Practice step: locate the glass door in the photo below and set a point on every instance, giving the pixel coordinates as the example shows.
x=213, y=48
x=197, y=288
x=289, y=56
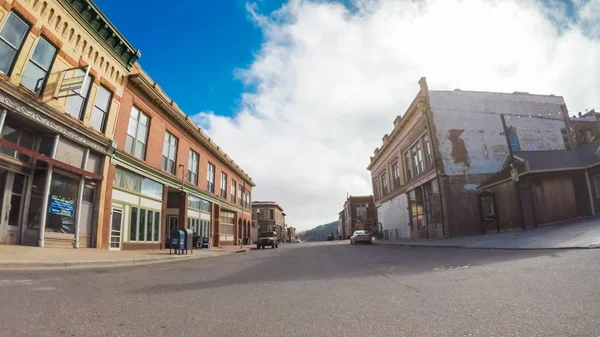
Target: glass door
x=115, y=229
x=172, y=224
x=11, y=184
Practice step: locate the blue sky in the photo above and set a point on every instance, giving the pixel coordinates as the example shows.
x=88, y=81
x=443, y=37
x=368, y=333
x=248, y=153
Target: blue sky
x=192, y=49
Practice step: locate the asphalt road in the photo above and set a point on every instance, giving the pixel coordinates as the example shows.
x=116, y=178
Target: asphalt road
x=327, y=289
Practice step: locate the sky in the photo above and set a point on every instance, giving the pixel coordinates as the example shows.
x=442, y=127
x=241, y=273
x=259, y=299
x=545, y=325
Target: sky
x=300, y=92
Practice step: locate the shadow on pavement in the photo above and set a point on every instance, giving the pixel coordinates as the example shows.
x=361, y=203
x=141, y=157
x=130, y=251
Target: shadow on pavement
x=343, y=261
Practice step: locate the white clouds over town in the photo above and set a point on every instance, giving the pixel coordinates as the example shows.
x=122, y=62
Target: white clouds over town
x=328, y=82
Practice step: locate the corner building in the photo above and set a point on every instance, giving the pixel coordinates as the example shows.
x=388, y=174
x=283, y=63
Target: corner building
x=166, y=173
x=63, y=68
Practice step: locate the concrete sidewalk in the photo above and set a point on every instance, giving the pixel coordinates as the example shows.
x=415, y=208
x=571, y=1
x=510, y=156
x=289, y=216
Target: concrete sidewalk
x=18, y=257
x=576, y=234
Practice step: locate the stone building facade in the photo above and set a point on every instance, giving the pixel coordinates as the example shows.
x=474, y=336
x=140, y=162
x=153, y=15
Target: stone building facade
x=426, y=172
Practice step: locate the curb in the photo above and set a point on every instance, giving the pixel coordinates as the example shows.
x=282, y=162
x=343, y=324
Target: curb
x=100, y=263
x=486, y=248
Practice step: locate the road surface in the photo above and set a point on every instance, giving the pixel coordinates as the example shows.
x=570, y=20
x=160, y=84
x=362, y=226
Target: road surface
x=322, y=289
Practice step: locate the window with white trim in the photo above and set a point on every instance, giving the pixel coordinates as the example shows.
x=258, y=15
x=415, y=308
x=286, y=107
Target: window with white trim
x=12, y=34
x=77, y=99
x=144, y=225
x=101, y=108
x=169, y=156
x=224, y=185
x=137, y=133
x=233, y=191
x=210, y=178
x=193, y=160
x=36, y=71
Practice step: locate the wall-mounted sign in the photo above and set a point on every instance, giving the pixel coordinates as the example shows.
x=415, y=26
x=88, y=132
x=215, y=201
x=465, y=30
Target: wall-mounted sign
x=514, y=174
x=61, y=206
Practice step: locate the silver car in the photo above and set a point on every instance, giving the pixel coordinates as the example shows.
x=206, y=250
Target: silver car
x=361, y=237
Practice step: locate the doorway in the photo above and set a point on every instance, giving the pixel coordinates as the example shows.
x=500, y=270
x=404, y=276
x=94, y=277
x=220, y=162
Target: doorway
x=11, y=203
x=115, y=229
x=172, y=224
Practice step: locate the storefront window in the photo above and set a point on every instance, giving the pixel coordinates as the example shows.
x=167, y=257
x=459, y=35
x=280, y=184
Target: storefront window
x=144, y=225
x=135, y=183
x=19, y=137
x=35, y=208
x=62, y=204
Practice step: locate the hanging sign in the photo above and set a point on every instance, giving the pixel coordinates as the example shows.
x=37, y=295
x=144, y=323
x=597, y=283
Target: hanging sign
x=61, y=206
x=514, y=174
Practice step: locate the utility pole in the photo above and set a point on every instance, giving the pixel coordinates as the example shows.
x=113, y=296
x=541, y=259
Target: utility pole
x=512, y=166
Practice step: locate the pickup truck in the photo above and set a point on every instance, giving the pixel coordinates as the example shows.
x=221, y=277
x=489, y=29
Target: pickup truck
x=267, y=239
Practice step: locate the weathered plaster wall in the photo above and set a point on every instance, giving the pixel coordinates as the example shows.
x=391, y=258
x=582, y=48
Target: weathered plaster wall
x=469, y=127
x=394, y=217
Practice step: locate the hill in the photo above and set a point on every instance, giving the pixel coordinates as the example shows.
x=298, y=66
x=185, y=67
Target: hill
x=320, y=233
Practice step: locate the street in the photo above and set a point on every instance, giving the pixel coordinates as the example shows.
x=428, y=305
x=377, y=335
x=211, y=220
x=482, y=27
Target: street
x=316, y=289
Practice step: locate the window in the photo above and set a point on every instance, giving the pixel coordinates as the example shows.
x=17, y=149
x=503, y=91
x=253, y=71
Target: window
x=169, y=156
x=101, y=107
x=197, y=203
x=19, y=137
x=428, y=151
x=223, y=185
x=210, y=178
x=417, y=158
x=194, y=225
x=407, y=166
x=565, y=137
x=132, y=182
x=271, y=214
x=247, y=195
x=193, y=167
x=375, y=189
x=384, y=185
x=62, y=207
x=395, y=175
x=144, y=225
x=34, y=76
x=76, y=101
x=233, y=191
x=513, y=139
x=361, y=211
x=12, y=35
x=242, y=199
x=137, y=133
x=227, y=223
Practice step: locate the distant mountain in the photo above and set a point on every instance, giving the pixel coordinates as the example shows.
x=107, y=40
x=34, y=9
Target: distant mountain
x=321, y=232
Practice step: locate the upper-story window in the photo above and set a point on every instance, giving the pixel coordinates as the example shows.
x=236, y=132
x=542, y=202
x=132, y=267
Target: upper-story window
x=407, y=166
x=36, y=71
x=271, y=214
x=233, y=191
x=384, y=184
x=169, y=156
x=137, y=133
x=223, y=185
x=12, y=35
x=395, y=175
x=428, y=151
x=77, y=99
x=18, y=136
x=101, y=107
x=241, y=196
x=375, y=189
x=210, y=178
x=193, y=162
x=417, y=158
x=513, y=139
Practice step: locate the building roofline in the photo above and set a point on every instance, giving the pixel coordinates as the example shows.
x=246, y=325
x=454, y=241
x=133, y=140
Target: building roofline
x=514, y=93
x=160, y=99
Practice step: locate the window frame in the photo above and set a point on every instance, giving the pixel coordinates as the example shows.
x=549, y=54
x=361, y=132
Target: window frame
x=384, y=183
x=137, y=127
x=224, y=185
x=86, y=99
x=408, y=170
x=18, y=50
x=165, y=163
x=416, y=155
x=105, y=119
x=512, y=134
x=152, y=226
x=210, y=179
x=48, y=71
x=193, y=165
x=233, y=191
x=395, y=175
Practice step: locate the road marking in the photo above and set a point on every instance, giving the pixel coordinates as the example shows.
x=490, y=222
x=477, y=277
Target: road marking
x=450, y=268
x=392, y=268
x=44, y=289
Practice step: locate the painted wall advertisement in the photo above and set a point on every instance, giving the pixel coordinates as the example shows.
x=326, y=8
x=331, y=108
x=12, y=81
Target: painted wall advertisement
x=61, y=206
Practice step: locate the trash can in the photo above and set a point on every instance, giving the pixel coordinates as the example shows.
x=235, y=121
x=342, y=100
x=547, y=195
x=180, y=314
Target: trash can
x=177, y=241
x=205, y=242
x=189, y=240
x=197, y=241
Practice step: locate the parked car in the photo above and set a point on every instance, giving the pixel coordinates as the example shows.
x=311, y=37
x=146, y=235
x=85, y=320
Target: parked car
x=330, y=237
x=267, y=239
x=297, y=240
x=361, y=237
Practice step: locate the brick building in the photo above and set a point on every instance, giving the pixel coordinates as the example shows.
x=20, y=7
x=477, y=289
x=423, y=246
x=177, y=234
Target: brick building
x=168, y=174
x=359, y=213
x=426, y=172
x=269, y=216
x=62, y=75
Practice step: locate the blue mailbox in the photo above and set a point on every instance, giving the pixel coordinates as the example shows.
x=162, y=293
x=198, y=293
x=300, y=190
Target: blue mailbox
x=177, y=240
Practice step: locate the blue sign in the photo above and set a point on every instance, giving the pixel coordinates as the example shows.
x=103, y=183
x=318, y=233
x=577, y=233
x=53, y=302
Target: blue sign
x=61, y=206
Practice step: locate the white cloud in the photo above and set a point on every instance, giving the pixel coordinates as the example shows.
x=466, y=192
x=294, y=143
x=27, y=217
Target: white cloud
x=330, y=81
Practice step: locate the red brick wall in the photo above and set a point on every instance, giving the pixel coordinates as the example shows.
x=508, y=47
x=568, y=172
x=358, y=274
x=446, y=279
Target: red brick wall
x=159, y=123
x=104, y=239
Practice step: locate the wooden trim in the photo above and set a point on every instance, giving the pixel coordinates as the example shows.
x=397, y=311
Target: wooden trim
x=47, y=33
x=35, y=31
x=12, y=146
x=108, y=85
x=24, y=12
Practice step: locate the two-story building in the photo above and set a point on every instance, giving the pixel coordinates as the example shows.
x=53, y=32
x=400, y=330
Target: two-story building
x=63, y=69
x=359, y=214
x=167, y=174
x=269, y=216
x=426, y=173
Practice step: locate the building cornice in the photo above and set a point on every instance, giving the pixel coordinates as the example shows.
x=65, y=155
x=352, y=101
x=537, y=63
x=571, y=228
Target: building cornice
x=87, y=13
x=151, y=88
